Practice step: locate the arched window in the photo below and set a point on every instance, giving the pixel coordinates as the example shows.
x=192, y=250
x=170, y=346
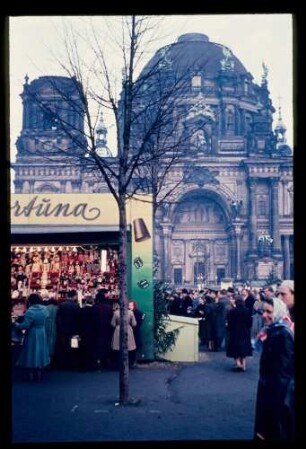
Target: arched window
x=47, y=188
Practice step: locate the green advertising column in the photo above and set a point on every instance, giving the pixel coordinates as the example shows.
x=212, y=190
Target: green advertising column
x=142, y=267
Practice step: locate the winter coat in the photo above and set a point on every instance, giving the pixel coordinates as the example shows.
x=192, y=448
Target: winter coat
x=116, y=336
x=51, y=327
x=34, y=351
x=274, y=417
x=67, y=325
x=220, y=316
x=239, y=322
x=257, y=323
x=209, y=315
x=67, y=319
x=88, y=337
x=104, y=314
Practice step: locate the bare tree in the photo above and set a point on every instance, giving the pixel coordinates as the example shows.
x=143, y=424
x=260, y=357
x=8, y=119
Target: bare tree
x=150, y=131
x=137, y=129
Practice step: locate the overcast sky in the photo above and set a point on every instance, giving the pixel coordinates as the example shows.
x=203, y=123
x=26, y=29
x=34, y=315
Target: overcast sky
x=253, y=38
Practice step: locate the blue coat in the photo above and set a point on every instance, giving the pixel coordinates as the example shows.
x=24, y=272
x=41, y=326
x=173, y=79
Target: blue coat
x=34, y=351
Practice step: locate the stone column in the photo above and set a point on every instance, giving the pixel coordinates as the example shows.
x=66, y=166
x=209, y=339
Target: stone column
x=252, y=217
x=84, y=187
x=286, y=257
x=276, y=244
x=68, y=187
x=232, y=253
x=237, y=239
x=284, y=197
x=222, y=117
x=167, y=230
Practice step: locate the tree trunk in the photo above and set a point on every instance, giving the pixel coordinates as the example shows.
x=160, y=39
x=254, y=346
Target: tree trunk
x=123, y=301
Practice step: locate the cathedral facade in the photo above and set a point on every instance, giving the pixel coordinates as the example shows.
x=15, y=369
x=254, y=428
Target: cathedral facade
x=230, y=211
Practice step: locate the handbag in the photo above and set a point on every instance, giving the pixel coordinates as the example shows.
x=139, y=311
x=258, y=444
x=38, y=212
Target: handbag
x=74, y=341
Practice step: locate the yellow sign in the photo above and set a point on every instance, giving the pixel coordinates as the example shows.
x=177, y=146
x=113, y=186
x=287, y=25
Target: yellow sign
x=64, y=209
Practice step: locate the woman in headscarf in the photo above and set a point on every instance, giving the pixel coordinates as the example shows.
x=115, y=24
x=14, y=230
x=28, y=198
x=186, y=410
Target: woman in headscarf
x=274, y=419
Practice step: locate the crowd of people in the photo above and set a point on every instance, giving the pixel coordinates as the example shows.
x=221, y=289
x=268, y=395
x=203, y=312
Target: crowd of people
x=66, y=336
x=212, y=306
x=237, y=321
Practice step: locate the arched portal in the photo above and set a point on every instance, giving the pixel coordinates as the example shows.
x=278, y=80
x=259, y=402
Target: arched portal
x=200, y=245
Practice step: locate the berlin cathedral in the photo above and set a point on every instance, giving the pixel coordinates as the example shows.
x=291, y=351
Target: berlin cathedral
x=230, y=210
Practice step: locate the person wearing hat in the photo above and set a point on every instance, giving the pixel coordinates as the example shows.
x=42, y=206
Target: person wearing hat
x=239, y=323
x=222, y=307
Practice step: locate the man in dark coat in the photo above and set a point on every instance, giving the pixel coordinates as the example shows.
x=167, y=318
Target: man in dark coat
x=67, y=325
x=88, y=336
x=103, y=308
x=239, y=323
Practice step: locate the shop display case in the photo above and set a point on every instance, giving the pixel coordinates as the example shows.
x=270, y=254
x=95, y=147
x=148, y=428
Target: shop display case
x=58, y=269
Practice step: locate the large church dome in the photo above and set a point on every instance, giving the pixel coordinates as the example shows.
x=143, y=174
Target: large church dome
x=195, y=51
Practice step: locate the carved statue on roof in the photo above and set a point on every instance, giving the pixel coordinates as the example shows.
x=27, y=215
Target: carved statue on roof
x=165, y=60
x=264, y=78
x=227, y=63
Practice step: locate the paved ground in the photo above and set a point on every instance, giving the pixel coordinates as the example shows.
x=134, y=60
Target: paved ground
x=185, y=401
